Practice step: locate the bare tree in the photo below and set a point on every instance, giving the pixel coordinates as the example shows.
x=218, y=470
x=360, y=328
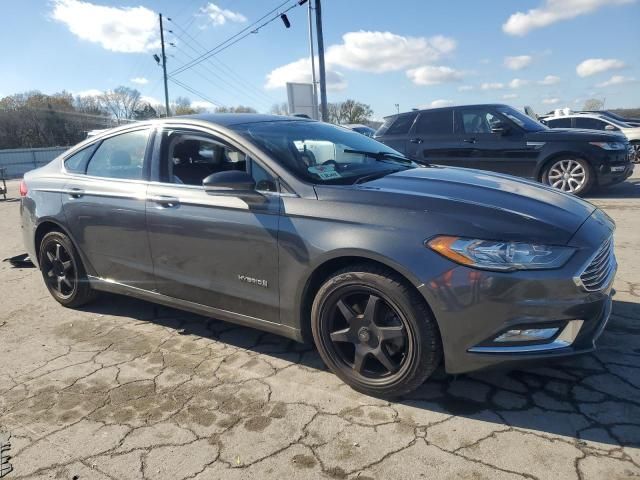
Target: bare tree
x=238, y=109
x=121, y=102
x=280, y=108
x=182, y=106
x=349, y=111
x=593, y=104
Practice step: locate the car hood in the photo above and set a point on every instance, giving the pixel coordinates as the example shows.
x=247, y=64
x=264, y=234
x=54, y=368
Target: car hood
x=466, y=202
x=574, y=135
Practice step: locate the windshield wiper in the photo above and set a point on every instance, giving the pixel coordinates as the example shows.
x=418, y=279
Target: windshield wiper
x=382, y=156
x=376, y=175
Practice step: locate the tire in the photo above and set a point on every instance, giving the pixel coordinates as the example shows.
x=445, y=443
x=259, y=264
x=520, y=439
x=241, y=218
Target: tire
x=359, y=351
x=570, y=175
x=63, y=271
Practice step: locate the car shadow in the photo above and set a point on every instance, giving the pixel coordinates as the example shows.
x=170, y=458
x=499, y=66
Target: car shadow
x=627, y=189
x=594, y=397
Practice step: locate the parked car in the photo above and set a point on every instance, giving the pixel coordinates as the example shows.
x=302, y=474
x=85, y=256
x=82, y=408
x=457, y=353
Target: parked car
x=308, y=230
x=363, y=129
x=502, y=139
x=596, y=121
x=634, y=122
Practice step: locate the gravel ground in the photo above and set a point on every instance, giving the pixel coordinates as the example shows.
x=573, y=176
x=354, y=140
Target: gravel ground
x=124, y=389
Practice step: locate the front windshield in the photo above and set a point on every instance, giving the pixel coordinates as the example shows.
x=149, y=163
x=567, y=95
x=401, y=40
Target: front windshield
x=524, y=121
x=322, y=153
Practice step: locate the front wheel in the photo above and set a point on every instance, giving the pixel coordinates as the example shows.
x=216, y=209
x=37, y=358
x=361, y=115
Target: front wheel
x=571, y=175
x=375, y=332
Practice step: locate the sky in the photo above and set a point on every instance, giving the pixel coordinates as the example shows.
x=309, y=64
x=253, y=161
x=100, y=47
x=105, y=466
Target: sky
x=543, y=53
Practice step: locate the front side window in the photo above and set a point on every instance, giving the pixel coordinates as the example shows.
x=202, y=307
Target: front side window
x=478, y=121
x=121, y=156
x=187, y=158
x=435, y=122
x=321, y=153
x=401, y=125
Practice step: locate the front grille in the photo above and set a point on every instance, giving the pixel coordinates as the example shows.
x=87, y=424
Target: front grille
x=602, y=266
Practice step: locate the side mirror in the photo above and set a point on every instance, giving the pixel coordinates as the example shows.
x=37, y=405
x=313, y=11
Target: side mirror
x=500, y=129
x=232, y=182
x=610, y=128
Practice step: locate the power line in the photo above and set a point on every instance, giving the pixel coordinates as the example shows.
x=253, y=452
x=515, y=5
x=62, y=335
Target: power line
x=196, y=92
x=247, y=86
x=245, y=32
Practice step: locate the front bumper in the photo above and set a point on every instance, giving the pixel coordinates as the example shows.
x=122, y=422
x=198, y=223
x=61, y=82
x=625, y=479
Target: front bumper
x=615, y=168
x=474, y=307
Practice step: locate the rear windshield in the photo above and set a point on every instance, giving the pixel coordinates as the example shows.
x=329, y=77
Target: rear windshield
x=396, y=125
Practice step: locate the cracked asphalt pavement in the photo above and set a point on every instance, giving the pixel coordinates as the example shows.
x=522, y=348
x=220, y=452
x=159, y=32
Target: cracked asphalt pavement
x=124, y=389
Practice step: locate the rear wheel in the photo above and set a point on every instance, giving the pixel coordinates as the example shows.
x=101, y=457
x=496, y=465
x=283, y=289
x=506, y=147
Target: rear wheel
x=63, y=272
x=571, y=175
x=375, y=332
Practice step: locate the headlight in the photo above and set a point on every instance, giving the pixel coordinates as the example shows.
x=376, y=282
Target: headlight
x=610, y=145
x=495, y=255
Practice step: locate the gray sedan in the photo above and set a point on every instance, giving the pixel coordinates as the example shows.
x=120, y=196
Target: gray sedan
x=312, y=231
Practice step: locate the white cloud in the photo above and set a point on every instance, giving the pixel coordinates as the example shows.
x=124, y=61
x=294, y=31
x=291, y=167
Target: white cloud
x=439, y=103
x=366, y=51
x=616, y=80
x=549, y=80
x=552, y=11
x=119, y=29
x=139, y=80
x=518, y=62
x=385, y=51
x=593, y=66
x=492, y=86
x=517, y=83
x=465, y=88
x=510, y=96
x=433, y=75
x=300, y=72
x=551, y=101
x=219, y=16
x=91, y=92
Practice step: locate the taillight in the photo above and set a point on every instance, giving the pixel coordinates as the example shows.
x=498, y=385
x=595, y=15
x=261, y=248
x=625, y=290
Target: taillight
x=23, y=189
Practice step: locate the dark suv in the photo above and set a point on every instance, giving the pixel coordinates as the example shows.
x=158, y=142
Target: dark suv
x=502, y=139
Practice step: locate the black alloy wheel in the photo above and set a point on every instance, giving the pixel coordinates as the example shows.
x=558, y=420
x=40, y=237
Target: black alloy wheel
x=63, y=272
x=375, y=332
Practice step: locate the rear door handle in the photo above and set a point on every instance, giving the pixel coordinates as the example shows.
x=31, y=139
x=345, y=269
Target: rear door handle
x=470, y=140
x=416, y=140
x=75, y=192
x=165, y=201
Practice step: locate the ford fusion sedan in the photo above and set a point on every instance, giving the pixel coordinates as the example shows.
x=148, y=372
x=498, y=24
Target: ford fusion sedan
x=312, y=231
x=499, y=138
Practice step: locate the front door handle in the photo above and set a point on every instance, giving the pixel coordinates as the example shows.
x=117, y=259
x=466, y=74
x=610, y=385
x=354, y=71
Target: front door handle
x=165, y=201
x=470, y=140
x=416, y=140
x=75, y=192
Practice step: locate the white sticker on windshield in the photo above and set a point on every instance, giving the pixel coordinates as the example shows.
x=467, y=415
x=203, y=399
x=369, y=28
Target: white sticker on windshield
x=325, y=172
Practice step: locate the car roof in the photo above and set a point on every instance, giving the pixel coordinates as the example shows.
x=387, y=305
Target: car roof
x=419, y=110
x=227, y=119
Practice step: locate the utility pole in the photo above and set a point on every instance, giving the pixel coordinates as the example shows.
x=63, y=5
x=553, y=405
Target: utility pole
x=323, y=79
x=313, y=65
x=164, y=69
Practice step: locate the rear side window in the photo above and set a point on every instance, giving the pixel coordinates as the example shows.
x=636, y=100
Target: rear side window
x=77, y=162
x=121, y=156
x=401, y=125
x=590, y=123
x=559, y=123
x=436, y=122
